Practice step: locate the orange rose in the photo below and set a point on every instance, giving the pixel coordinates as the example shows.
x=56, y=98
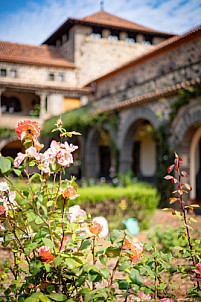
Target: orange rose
x=135, y=247
x=27, y=128
x=44, y=252
x=95, y=228
x=69, y=193
x=37, y=145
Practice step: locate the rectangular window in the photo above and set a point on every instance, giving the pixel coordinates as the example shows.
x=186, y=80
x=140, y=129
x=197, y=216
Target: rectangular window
x=3, y=72
x=60, y=77
x=51, y=76
x=13, y=73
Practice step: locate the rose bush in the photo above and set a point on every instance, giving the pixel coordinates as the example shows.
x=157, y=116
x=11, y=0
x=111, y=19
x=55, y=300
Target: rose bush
x=61, y=259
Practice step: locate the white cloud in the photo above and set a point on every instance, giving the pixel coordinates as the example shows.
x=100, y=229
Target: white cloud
x=35, y=22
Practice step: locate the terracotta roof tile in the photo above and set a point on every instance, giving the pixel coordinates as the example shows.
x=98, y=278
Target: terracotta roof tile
x=37, y=87
x=44, y=55
x=103, y=17
x=149, y=97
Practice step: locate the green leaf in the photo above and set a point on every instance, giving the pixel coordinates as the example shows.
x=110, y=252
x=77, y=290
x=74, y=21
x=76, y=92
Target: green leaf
x=103, y=259
x=88, y=267
x=115, y=234
x=35, y=177
x=73, y=133
x=38, y=220
x=71, y=263
x=57, y=297
x=30, y=216
x=85, y=244
x=48, y=242
x=30, y=248
x=105, y=273
x=32, y=163
x=112, y=251
x=79, y=281
x=123, y=285
x=35, y=267
x=45, y=299
x=135, y=277
x=5, y=164
x=17, y=172
x=124, y=266
x=57, y=261
x=41, y=234
x=162, y=286
x=26, y=193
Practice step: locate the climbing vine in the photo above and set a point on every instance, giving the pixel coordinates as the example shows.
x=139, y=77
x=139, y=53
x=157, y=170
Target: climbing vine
x=185, y=95
x=82, y=119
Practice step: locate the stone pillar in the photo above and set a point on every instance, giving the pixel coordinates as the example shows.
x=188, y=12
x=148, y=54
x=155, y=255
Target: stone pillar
x=140, y=38
x=43, y=96
x=83, y=100
x=157, y=40
x=105, y=33
x=1, y=91
x=123, y=35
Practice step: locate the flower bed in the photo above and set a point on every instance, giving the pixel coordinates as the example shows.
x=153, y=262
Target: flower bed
x=61, y=260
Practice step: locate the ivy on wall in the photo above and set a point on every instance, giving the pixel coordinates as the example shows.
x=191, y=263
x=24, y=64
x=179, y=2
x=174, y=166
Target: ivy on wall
x=82, y=120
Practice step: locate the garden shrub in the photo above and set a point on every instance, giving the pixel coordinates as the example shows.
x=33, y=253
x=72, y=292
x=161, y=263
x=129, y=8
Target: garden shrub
x=62, y=260
x=116, y=203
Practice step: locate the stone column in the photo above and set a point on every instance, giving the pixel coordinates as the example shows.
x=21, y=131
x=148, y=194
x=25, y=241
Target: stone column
x=1, y=91
x=140, y=38
x=43, y=96
x=123, y=35
x=105, y=33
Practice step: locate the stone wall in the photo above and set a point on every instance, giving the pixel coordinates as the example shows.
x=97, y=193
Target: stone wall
x=167, y=69
x=29, y=74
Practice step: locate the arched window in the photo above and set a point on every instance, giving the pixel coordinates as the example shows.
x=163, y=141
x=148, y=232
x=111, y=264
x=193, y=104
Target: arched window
x=11, y=104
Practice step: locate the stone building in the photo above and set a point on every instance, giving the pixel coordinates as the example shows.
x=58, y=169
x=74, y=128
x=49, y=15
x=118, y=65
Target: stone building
x=111, y=65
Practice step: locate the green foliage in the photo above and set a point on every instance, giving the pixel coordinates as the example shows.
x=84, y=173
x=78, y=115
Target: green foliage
x=7, y=133
x=185, y=95
x=62, y=259
x=168, y=240
x=140, y=202
x=81, y=119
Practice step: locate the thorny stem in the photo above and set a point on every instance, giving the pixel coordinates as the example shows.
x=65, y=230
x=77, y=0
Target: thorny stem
x=186, y=223
x=94, y=259
x=27, y=174
x=117, y=263
x=55, y=202
x=62, y=240
x=18, y=240
x=185, y=219
x=155, y=291
x=10, y=182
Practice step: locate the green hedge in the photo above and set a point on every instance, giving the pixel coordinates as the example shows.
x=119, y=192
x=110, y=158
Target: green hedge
x=141, y=201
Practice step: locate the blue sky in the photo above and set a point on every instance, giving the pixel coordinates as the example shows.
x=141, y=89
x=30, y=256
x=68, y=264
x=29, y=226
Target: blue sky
x=33, y=21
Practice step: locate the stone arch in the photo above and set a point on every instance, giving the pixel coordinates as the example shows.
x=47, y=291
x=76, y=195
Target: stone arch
x=129, y=118
x=187, y=116
x=186, y=135
x=194, y=143
x=94, y=151
x=133, y=120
